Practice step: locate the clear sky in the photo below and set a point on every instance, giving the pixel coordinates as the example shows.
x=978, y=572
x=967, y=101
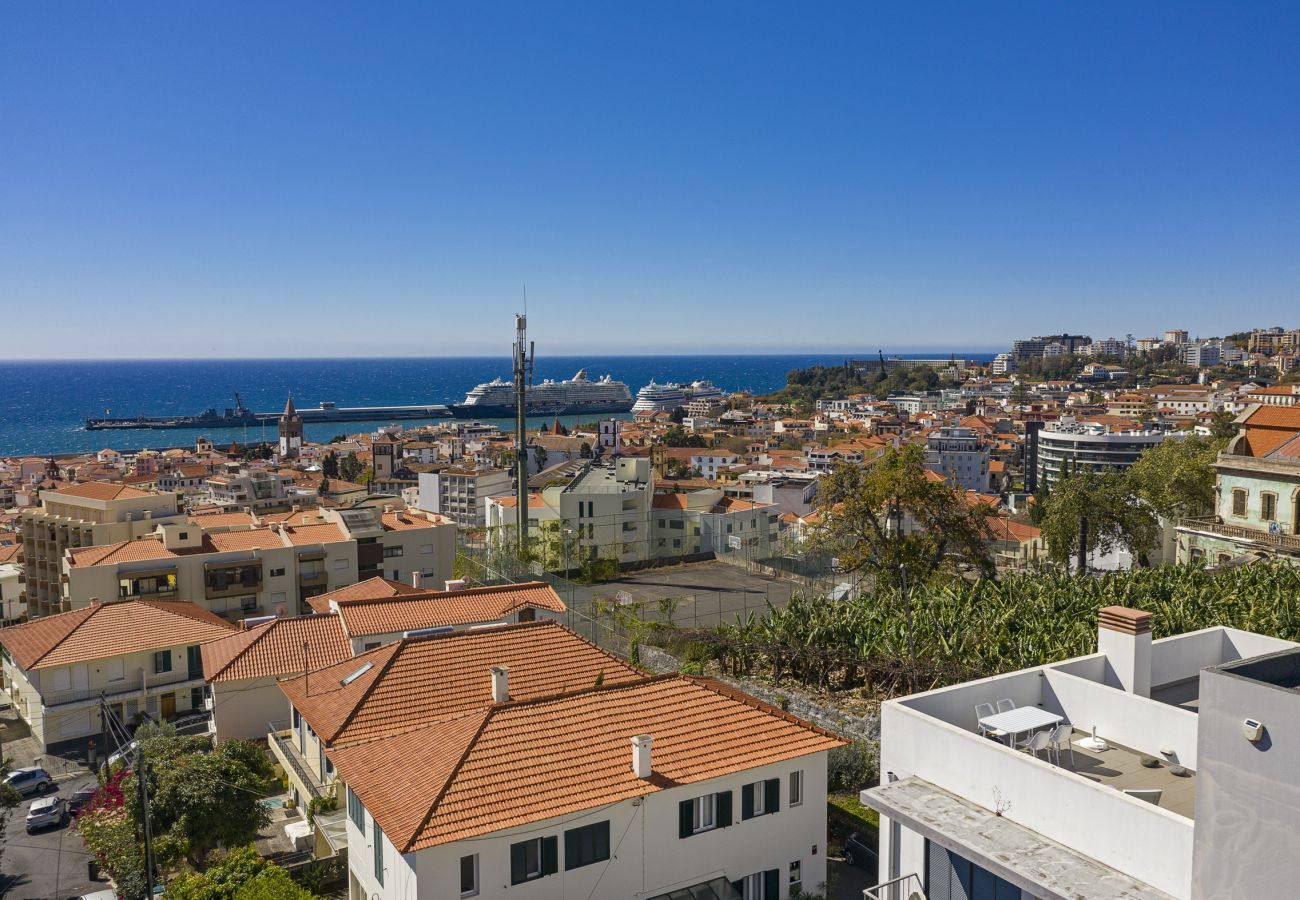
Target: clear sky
x=279, y=179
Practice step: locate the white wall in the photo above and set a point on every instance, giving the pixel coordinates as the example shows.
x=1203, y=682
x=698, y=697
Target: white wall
x=244, y=708
x=647, y=855
x=1148, y=842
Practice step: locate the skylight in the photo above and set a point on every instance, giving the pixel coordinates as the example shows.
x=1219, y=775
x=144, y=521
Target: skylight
x=357, y=674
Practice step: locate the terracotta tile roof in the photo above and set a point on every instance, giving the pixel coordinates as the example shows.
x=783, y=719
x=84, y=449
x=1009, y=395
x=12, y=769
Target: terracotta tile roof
x=102, y=490
x=327, y=533
x=405, y=521
x=396, y=693
x=1267, y=428
x=222, y=519
x=254, y=539
x=578, y=748
x=276, y=649
x=104, y=630
x=436, y=609
x=670, y=501
x=9, y=552
x=123, y=551
x=371, y=589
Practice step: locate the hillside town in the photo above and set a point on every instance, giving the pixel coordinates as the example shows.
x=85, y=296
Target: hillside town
x=363, y=607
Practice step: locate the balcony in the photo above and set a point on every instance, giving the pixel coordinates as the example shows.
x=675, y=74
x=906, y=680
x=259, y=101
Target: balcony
x=131, y=684
x=280, y=738
x=1212, y=525
x=232, y=581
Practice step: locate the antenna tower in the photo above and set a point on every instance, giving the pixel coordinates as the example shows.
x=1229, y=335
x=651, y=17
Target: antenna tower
x=523, y=365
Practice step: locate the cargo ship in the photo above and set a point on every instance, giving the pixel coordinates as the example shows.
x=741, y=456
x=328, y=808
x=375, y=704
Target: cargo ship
x=239, y=416
x=579, y=394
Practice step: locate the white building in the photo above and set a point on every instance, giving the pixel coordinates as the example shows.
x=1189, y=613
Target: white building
x=1068, y=446
x=545, y=767
x=961, y=455
x=1002, y=364
x=461, y=492
x=1195, y=795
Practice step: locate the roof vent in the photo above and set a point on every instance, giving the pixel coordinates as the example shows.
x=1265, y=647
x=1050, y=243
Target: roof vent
x=357, y=674
x=641, y=745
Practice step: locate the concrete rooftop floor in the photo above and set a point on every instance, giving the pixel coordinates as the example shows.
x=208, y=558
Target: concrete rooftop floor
x=1121, y=768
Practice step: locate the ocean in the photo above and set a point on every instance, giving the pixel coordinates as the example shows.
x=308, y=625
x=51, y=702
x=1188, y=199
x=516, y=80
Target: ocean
x=44, y=405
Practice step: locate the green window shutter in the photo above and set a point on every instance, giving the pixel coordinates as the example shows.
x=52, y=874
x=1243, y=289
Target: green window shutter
x=771, y=884
x=518, y=863
x=724, y=809
x=747, y=802
x=550, y=855
x=685, y=818
x=772, y=802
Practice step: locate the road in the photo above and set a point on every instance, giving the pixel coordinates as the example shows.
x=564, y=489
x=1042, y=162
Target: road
x=48, y=865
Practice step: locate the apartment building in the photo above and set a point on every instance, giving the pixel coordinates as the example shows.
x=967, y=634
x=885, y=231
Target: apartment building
x=1069, y=446
x=257, y=489
x=1257, y=494
x=712, y=463
x=461, y=492
x=961, y=455
x=13, y=592
x=794, y=494
x=141, y=656
x=270, y=569
x=636, y=785
x=604, y=510
x=707, y=521
x=1172, y=775
x=92, y=514
x=1202, y=354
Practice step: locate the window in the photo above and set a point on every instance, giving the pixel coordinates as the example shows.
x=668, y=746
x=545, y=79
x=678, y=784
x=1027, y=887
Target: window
x=390, y=552
x=704, y=813
x=162, y=662
x=379, y=851
x=276, y=573
x=796, y=877
x=586, y=845
x=760, y=885
x=469, y=875
x=1238, y=501
x=1268, y=507
x=760, y=798
x=196, y=698
x=534, y=858
x=184, y=536
x=356, y=812
x=950, y=877
x=796, y=787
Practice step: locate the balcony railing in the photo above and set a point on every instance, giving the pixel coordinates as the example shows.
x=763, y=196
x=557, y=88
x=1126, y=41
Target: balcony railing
x=1241, y=532
x=281, y=739
x=900, y=888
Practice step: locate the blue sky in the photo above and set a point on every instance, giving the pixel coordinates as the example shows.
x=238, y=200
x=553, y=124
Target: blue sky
x=279, y=179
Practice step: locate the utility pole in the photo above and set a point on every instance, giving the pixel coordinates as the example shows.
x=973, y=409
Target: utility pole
x=523, y=366
x=911, y=639
x=141, y=782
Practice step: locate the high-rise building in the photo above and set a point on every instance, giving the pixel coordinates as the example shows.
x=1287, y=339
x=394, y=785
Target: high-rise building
x=1177, y=337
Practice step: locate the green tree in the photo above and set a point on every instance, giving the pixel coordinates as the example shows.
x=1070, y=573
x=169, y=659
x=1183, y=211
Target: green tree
x=1223, y=425
x=350, y=467
x=1176, y=477
x=861, y=508
x=9, y=798
x=677, y=436
x=678, y=415
x=585, y=450
x=329, y=465
x=1113, y=519
x=241, y=874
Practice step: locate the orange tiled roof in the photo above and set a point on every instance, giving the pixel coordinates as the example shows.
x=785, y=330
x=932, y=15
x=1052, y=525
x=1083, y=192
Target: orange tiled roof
x=275, y=649
x=436, y=609
x=326, y=533
x=405, y=521
x=578, y=748
x=104, y=630
x=102, y=490
x=375, y=588
x=1268, y=428
x=396, y=693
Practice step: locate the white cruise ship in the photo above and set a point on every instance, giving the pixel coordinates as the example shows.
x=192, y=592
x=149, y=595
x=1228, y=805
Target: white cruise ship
x=579, y=394
x=656, y=397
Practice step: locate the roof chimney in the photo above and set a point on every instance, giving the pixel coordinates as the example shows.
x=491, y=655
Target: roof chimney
x=500, y=684
x=1124, y=636
x=415, y=579
x=641, y=745
x=455, y=584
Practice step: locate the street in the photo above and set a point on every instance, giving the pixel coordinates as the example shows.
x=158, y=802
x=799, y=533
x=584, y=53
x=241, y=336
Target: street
x=48, y=865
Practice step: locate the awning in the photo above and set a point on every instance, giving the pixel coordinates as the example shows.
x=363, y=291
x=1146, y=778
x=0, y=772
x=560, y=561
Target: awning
x=717, y=889
x=1012, y=852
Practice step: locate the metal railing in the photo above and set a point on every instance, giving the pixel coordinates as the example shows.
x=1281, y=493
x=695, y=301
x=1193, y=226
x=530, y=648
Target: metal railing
x=904, y=887
x=1241, y=532
x=281, y=737
x=130, y=684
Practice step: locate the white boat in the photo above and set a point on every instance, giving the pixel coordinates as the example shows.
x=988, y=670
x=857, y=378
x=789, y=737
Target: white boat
x=573, y=395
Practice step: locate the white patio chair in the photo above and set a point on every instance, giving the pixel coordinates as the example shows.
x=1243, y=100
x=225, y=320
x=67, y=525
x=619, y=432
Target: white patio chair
x=1006, y=705
x=983, y=711
x=1039, y=740
x=1061, y=738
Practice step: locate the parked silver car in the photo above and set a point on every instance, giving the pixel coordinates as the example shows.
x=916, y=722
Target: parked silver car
x=47, y=812
x=30, y=780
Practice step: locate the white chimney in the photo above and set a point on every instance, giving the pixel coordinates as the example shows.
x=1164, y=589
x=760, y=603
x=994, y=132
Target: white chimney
x=1124, y=637
x=455, y=584
x=500, y=684
x=641, y=745
x=415, y=580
